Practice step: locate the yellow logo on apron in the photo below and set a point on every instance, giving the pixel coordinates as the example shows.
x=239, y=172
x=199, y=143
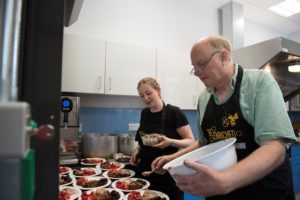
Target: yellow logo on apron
x=230, y=120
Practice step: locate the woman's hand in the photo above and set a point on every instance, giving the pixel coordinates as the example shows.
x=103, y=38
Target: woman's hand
x=134, y=157
x=158, y=163
x=164, y=142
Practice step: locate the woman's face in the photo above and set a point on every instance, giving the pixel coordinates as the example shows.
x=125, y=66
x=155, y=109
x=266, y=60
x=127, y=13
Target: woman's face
x=150, y=96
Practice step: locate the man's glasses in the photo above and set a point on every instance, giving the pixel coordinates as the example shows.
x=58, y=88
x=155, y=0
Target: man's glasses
x=204, y=64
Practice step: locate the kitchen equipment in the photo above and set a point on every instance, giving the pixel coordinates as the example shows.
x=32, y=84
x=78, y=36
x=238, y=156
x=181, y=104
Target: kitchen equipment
x=219, y=155
x=127, y=144
x=69, y=130
x=274, y=55
x=102, y=145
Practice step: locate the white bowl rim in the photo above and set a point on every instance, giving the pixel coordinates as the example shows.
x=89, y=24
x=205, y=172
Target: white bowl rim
x=231, y=141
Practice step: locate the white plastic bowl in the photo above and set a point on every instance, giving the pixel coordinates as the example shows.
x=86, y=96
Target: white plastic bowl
x=219, y=155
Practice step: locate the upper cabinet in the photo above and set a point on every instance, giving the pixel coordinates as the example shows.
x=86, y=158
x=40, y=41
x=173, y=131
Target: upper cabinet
x=178, y=86
x=96, y=66
x=126, y=65
x=101, y=67
x=83, y=64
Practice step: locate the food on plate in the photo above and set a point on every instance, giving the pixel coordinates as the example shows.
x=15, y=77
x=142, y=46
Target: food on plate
x=124, y=160
x=146, y=195
x=69, y=193
x=101, y=194
x=151, y=139
x=118, y=173
x=66, y=193
x=65, y=179
x=84, y=172
x=64, y=170
x=130, y=184
x=86, y=183
x=110, y=165
x=93, y=161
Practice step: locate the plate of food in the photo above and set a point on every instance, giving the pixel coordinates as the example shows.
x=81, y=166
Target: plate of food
x=102, y=193
x=118, y=173
x=146, y=194
x=69, y=193
x=130, y=184
x=122, y=158
x=111, y=165
x=92, y=182
x=86, y=171
x=64, y=170
x=65, y=179
x=92, y=161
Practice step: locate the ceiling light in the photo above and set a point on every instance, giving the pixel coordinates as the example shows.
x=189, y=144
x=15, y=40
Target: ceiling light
x=286, y=8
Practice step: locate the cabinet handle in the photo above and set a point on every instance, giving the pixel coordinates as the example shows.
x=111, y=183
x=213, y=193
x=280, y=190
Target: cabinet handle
x=100, y=85
x=109, y=80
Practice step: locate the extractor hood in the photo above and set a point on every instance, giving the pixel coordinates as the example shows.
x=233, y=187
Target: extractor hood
x=275, y=55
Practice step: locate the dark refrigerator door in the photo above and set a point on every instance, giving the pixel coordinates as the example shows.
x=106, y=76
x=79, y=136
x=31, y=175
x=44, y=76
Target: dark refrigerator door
x=40, y=84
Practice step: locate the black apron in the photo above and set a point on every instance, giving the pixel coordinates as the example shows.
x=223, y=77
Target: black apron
x=226, y=121
x=147, y=155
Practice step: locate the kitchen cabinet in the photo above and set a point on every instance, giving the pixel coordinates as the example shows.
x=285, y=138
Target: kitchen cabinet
x=83, y=64
x=97, y=66
x=126, y=65
x=178, y=86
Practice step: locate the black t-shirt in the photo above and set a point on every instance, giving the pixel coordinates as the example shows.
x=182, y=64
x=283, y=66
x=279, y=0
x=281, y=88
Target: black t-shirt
x=163, y=122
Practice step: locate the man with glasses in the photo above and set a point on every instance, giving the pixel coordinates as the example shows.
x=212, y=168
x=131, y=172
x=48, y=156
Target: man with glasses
x=248, y=105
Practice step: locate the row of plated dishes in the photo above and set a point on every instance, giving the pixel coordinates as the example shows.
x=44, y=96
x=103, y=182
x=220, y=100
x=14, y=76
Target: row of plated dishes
x=99, y=179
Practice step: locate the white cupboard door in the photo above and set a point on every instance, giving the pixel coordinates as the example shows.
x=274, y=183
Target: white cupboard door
x=83, y=64
x=126, y=65
x=178, y=86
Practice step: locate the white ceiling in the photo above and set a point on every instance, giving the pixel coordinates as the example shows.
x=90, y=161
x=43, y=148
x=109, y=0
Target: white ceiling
x=257, y=11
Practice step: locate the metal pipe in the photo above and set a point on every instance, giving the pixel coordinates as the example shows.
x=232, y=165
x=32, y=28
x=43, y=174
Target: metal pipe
x=10, y=27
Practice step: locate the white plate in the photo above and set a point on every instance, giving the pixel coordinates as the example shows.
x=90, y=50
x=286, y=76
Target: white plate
x=105, y=174
x=93, y=178
x=114, y=184
x=76, y=191
x=160, y=194
x=121, y=165
x=97, y=171
x=68, y=183
x=109, y=189
x=95, y=161
x=64, y=170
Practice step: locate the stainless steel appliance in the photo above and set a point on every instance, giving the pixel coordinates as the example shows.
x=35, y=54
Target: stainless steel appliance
x=103, y=145
x=276, y=55
x=70, y=132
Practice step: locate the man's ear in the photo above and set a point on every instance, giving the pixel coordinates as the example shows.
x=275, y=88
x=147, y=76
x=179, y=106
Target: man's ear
x=225, y=56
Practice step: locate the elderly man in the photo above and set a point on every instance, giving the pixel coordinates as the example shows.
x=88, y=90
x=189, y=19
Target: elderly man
x=248, y=105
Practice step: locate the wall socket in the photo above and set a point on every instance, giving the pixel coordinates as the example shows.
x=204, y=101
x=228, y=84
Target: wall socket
x=133, y=126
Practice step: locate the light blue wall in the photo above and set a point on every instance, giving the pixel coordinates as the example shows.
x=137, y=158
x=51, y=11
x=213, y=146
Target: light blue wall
x=115, y=120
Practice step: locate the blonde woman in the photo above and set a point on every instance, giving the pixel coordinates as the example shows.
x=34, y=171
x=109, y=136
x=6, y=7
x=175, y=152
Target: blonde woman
x=168, y=121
